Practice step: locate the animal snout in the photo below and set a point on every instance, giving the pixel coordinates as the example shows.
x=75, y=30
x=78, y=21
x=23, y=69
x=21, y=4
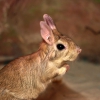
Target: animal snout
x=79, y=50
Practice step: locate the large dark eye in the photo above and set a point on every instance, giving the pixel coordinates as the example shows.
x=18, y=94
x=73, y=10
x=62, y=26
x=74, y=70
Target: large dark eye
x=60, y=46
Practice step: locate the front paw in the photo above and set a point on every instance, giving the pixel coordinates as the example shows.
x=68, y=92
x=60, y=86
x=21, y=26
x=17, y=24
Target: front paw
x=62, y=71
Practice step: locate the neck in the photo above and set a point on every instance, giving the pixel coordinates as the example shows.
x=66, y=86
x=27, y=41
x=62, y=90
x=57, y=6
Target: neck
x=43, y=51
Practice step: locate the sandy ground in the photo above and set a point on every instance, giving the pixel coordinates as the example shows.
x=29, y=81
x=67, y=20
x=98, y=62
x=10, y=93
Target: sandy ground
x=81, y=82
x=84, y=78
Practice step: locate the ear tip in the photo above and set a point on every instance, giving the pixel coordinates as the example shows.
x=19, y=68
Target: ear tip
x=45, y=15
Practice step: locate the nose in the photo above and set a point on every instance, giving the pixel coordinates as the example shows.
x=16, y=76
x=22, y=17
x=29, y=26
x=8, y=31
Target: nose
x=79, y=50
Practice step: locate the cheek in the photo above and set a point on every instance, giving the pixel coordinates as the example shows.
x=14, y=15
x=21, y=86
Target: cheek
x=69, y=55
x=73, y=55
x=53, y=55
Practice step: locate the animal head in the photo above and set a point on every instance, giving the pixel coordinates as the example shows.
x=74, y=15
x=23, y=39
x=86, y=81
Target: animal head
x=61, y=47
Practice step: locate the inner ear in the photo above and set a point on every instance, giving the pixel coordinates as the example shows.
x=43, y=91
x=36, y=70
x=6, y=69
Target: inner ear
x=46, y=33
x=49, y=21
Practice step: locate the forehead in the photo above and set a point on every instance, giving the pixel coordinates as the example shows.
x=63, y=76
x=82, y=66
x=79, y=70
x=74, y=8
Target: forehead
x=65, y=39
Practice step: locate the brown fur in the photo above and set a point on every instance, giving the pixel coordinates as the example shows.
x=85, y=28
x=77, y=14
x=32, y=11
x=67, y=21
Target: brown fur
x=26, y=77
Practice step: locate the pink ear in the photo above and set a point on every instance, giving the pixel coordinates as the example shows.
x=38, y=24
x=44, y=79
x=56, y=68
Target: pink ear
x=49, y=21
x=46, y=33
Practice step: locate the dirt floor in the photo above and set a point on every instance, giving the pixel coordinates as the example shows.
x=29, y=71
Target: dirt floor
x=81, y=82
x=84, y=78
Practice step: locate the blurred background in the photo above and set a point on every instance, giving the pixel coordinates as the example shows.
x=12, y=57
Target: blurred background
x=79, y=19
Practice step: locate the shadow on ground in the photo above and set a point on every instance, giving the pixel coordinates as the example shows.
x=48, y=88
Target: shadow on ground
x=60, y=91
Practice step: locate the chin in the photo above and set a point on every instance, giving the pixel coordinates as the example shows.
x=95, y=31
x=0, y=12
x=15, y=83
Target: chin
x=73, y=59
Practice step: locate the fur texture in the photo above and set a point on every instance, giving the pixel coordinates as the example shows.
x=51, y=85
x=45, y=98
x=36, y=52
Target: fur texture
x=26, y=77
